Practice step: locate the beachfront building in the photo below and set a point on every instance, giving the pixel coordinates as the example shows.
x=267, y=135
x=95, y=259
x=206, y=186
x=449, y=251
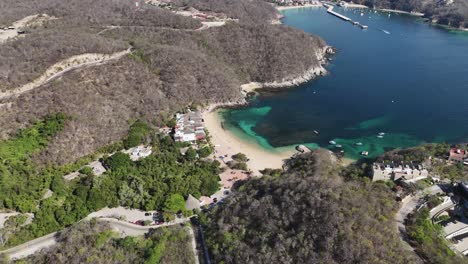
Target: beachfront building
x=393, y=171
x=458, y=155
x=189, y=127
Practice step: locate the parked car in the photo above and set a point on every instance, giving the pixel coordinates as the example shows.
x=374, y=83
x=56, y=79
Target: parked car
x=139, y=222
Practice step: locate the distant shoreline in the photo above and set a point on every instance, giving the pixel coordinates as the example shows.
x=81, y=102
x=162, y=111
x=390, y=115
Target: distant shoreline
x=400, y=12
x=281, y=8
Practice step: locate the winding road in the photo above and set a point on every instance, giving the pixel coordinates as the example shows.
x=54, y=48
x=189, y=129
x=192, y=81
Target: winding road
x=124, y=228
x=64, y=66
x=408, y=204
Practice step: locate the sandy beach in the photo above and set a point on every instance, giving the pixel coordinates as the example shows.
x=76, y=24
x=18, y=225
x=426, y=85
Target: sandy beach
x=227, y=143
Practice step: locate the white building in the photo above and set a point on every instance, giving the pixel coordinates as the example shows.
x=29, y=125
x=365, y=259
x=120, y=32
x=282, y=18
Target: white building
x=189, y=127
x=392, y=171
x=139, y=152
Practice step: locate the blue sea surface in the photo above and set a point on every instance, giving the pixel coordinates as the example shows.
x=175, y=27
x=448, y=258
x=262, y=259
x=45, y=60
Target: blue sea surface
x=401, y=76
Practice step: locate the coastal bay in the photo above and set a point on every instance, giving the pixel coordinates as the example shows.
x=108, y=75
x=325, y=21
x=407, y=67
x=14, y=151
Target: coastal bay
x=421, y=99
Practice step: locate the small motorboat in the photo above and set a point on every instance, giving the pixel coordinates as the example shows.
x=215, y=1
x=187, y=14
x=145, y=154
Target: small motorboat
x=381, y=134
x=358, y=143
x=332, y=142
x=338, y=146
x=365, y=153
x=316, y=132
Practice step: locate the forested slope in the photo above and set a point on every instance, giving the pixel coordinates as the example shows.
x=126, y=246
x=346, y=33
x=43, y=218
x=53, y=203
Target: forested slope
x=172, y=64
x=307, y=215
x=96, y=242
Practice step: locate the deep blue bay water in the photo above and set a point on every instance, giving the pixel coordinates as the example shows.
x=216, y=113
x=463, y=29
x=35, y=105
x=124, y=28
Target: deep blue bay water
x=411, y=84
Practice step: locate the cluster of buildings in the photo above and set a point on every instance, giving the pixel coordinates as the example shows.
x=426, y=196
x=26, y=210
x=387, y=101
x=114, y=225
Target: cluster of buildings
x=458, y=155
x=189, y=127
x=394, y=171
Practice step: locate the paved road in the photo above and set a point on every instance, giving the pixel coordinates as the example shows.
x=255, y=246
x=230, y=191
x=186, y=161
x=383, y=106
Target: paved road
x=30, y=247
x=124, y=228
x=408, y=204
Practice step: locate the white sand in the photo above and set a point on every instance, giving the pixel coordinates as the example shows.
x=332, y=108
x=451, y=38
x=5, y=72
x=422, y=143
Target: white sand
x=227, y=143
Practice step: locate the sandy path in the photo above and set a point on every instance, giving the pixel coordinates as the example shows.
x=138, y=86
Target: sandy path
x=6, y=34
x=64, y=66
x=194, y=244
x=228, y=144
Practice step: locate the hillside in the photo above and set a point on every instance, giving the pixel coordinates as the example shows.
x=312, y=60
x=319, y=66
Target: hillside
x=96, y=242
x=446, y=12
x=172, y=64
x=307, y=215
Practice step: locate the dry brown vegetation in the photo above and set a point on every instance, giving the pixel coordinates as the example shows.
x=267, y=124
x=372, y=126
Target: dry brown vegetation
x=307, y=215
x=172, y=65
x=245, y=11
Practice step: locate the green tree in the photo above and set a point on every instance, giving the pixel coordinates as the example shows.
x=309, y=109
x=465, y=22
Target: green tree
x=191, y=154
x=240, y=157
x=175, y=203
x=205, y=152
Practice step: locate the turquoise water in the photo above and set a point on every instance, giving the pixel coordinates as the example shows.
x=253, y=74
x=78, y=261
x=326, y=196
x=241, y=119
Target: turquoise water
x=411, y=83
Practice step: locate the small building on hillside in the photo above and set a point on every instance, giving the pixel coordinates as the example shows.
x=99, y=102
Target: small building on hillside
x=189, y=127
x=138, y=152
x=393, y=171
x=97, y=167
x=192, y=203
x=458, y=155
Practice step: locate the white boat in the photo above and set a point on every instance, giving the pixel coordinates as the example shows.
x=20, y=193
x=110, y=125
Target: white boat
x=332, y=142
x=358, y=143
x=362, y=14
x=338, y=146
x=365, y=153
x=381, y=134
x=316, y=132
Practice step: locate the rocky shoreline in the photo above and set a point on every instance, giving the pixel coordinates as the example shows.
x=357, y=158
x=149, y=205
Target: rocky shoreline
x=291, y=81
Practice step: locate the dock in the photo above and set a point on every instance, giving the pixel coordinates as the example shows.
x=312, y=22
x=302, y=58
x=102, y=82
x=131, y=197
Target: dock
x=345, y=18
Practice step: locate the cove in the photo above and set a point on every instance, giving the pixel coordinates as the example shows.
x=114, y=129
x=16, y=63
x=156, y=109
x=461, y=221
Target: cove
x=401, y=76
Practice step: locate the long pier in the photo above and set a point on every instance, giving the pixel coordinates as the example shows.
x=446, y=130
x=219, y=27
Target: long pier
x=345, y=18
